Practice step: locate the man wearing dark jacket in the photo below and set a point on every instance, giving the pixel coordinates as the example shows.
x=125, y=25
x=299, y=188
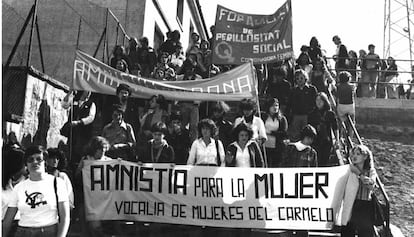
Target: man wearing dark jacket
x=301, y=103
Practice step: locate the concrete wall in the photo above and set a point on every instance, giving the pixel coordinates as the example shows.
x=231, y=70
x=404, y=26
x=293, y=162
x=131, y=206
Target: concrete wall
x=385, y=112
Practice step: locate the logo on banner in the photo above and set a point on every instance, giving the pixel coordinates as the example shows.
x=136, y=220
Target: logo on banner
x=224, y=51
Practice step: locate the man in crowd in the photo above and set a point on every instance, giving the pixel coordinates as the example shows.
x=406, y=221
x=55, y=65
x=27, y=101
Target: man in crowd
x=278, y=86
x=341, y=55
x=178, y=137
x=132, y=107
x=120, y=136
x=301, y=103
x=79, y=128
x=371, y=63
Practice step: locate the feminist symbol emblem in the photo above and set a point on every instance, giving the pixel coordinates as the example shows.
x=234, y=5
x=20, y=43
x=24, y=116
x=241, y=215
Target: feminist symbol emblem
x=35, y=199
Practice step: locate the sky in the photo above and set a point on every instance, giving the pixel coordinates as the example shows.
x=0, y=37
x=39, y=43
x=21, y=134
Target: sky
x=358, y=23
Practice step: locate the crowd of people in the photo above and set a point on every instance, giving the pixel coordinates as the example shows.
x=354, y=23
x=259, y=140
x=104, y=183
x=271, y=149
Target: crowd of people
x=297, y=126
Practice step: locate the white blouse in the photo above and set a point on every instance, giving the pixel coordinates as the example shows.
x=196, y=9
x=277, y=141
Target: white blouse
x=257, y=125
x=271, y=126
x=202, y=154
x=242, y=155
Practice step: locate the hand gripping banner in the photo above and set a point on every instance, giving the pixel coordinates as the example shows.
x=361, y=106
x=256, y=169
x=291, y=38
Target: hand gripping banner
x=276, y=198
x=92, y=75
x=242, y=37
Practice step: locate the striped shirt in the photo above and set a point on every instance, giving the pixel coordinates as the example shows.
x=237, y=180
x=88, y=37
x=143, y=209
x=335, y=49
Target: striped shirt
x=365, y=191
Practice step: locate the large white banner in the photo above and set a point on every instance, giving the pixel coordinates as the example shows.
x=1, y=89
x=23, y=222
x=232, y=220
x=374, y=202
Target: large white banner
x=277, y=198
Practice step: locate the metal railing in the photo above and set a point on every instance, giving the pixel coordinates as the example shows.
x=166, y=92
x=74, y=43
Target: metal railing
x=378, y=182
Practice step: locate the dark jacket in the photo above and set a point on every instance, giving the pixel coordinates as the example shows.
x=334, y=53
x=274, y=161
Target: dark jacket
x=181, y=144
x=256, y=157
x=342, y=57
x=225, y=129
x=280, y=90
x=166, y=155
x=302, y=101
x=297, y=155
x=324, y=123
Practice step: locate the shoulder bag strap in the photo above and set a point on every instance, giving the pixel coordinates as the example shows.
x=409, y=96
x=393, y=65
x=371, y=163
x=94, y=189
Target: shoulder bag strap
x=57, y=200
x=218, y=153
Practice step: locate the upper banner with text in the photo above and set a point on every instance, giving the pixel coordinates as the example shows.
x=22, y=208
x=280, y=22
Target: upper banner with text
x=277, y=198
x=242, y=37
x=92, y=75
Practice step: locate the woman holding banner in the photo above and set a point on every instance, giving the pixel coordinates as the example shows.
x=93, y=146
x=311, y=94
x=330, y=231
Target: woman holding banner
x=357, y=209
x=96, y=150
x=244, y=152
x=206, y=151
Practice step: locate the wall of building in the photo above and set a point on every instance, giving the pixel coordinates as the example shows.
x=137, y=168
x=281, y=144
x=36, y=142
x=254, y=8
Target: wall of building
x=169, y=8
x=59, y=22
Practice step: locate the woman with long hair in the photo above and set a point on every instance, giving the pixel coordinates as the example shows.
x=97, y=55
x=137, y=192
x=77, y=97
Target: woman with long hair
x=206, y=151
x=42, y=200
x=244, y=152
x=276, y=126
x=323, y=119
x=56, y=166
x=357, y=209
x=320, y=77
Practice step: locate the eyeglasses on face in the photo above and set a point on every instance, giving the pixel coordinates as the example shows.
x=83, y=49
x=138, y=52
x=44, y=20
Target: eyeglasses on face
x=31, y=159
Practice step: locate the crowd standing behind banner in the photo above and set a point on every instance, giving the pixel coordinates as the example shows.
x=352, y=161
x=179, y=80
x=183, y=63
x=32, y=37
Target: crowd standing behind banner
x=166, y=131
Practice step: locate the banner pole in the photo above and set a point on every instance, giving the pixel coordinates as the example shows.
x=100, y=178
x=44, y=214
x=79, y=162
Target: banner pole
x=258, y=107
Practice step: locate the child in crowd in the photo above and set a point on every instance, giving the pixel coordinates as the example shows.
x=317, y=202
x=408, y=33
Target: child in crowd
x=158, y=149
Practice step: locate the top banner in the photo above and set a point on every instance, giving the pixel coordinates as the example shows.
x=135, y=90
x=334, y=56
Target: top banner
x=92, y=75
x=241, y=37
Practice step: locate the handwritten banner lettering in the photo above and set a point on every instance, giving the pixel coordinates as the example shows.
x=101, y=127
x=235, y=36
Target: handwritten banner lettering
x=92, y=75
x=277, y=198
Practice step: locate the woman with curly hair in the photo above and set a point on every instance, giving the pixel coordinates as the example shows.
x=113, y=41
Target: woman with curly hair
x=244, y=152
x=206, y=151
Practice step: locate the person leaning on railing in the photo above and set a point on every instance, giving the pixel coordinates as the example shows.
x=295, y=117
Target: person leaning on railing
x=357, y=210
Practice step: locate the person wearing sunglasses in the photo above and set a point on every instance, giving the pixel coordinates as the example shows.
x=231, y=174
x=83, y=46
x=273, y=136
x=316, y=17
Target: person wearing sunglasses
x=42, y=200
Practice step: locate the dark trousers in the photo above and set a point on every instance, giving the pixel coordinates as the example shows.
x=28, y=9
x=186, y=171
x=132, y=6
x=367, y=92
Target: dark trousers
x=361, y=222
x=48, y=231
